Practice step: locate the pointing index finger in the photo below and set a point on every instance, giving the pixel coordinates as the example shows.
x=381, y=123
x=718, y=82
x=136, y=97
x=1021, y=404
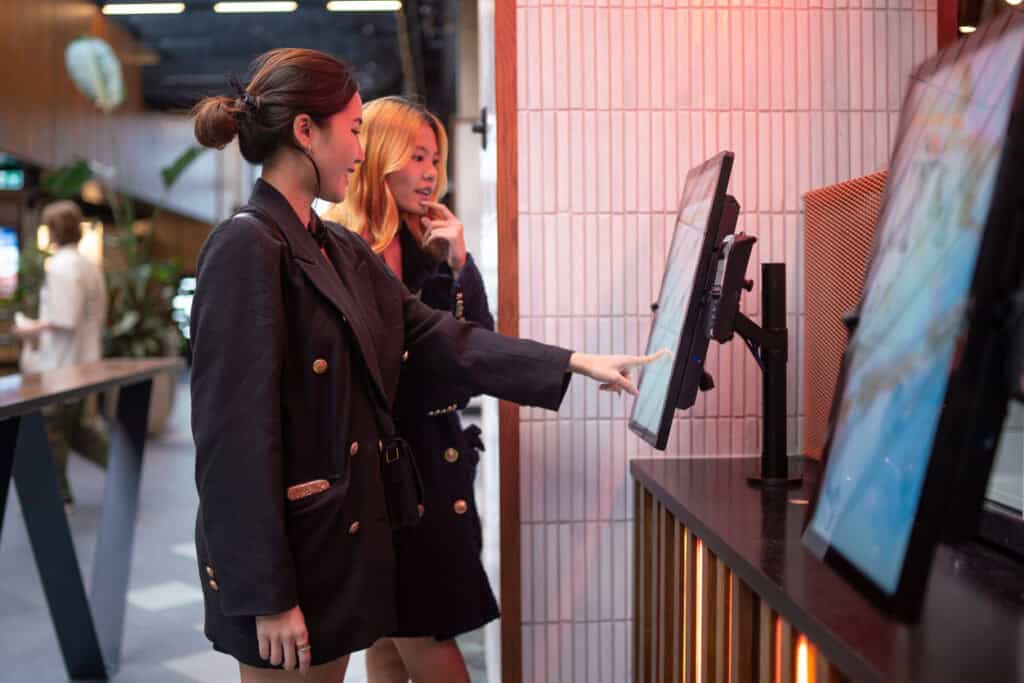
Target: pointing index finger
x=639, y=361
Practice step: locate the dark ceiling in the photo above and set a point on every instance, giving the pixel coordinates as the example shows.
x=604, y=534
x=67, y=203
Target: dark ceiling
x=199, y=48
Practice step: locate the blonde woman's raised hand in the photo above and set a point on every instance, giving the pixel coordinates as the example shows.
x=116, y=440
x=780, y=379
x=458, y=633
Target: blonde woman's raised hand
x=443, y=226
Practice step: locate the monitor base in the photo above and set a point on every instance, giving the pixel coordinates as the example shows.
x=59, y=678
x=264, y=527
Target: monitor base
x=790, y=481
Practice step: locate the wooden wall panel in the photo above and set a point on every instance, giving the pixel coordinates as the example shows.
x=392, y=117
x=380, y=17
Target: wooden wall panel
x=695, y=621
x=45, y=121
x=507, y=134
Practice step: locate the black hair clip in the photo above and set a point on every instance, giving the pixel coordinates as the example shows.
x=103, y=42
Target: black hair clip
x=249, y=101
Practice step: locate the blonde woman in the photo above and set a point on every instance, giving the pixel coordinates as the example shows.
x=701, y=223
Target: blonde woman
x=392, y=203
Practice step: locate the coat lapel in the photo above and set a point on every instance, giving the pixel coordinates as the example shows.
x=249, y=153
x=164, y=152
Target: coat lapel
x=325, y=277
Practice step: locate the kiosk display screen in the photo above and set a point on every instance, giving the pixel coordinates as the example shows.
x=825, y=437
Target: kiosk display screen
x=671, y=381
x=929, y=262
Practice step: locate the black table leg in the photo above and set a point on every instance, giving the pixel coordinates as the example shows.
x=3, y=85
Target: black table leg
x=117, y=523
x=8, y=443
x=36, y=481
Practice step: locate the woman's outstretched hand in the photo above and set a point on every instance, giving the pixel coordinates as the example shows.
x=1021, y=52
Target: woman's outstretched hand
x=613, y=372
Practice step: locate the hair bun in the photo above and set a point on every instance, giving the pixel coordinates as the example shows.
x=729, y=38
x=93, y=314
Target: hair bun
x=217, y=121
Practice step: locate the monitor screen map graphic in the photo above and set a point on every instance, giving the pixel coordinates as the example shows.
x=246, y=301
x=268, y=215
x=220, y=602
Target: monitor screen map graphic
x=913, y=311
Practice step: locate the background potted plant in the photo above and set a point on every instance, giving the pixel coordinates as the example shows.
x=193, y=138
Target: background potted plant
x=140, y=289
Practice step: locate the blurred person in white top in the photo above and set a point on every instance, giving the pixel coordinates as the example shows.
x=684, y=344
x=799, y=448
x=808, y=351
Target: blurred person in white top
x=69, y=331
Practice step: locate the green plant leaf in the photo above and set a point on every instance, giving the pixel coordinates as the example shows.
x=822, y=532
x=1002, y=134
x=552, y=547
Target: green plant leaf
x=125, y=324
x=66, y=182
x=173, y=171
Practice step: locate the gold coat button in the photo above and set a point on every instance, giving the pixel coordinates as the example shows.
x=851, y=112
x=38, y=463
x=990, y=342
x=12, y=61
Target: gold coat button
x=319, y=366
x=461, y=507
x=354, y=529
x=380, y=446
x=354, y=448
x=451, y=455
x=214, y=586
x=405, y=356
x=209, y=571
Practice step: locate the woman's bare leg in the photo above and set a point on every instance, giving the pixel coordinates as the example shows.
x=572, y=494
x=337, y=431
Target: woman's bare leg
x=384, y=664
x=431, y=661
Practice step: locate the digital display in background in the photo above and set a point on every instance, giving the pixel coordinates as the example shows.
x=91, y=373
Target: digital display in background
x=941, y=180
x=12, y=179
x=674, y=300
x=8, y=261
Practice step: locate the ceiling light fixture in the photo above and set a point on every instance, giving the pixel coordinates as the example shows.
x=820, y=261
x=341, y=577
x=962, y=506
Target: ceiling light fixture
x=255, y=7
x=364, y=6
x=123, y=9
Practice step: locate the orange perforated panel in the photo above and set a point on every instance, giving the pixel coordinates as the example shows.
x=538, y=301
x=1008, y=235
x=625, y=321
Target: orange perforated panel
x=839, y=225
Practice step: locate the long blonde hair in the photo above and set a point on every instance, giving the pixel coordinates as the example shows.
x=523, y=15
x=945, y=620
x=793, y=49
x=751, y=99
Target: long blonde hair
x=388, y=136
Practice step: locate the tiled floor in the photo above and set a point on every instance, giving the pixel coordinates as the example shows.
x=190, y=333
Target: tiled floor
x=163, y=639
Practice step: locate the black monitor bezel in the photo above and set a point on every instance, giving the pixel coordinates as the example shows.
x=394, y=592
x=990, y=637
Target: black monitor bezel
x=976, y=396
x=686, y=375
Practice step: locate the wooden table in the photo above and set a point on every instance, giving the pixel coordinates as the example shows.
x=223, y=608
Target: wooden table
x=89, y=626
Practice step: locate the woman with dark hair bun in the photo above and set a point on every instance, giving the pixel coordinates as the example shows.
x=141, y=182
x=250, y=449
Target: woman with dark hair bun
x=300, y=333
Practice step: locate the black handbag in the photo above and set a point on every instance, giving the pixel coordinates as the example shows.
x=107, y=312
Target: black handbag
x=403, y=486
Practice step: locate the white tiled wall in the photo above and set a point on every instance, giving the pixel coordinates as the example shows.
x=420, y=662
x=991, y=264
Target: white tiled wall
x=617, y=100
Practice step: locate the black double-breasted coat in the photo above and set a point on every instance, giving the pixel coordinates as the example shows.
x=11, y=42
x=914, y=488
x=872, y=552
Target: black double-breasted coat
x=443, y=588
x=294, y=352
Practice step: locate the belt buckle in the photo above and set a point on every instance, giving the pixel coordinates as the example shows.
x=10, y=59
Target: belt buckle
x=392, y=454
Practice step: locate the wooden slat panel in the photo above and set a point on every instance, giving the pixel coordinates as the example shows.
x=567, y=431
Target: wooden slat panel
x=689, y=608
x=786, y=652
x=820, y=666
x=806, y=653
x=670, y=588
x=765, y=643
x=647, y=568
x=658, y=604
x=741, y=628
x=708, y=617
x=677, y=583
x=722, y=574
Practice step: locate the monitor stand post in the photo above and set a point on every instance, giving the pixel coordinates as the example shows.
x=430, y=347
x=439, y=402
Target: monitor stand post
x=769, y=343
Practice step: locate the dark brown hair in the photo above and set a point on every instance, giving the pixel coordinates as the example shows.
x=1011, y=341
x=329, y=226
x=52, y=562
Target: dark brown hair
x=64, y=220
x=285, y=83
